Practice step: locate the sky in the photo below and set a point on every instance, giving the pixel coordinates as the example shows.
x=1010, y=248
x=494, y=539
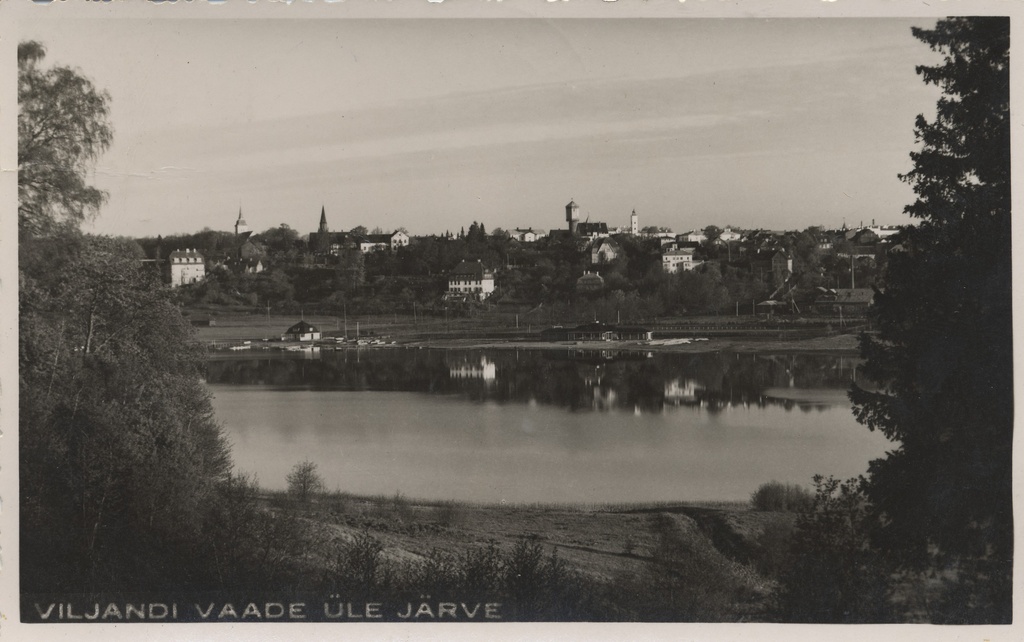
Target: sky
x=431, y=125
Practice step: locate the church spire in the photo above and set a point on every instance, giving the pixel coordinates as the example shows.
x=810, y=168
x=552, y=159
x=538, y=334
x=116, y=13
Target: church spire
x=240, y=225
x=323, y=220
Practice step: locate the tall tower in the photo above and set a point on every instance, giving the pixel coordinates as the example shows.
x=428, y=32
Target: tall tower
x=241, y=227
x=634, y=224
x=320, y=240
x=572, y=216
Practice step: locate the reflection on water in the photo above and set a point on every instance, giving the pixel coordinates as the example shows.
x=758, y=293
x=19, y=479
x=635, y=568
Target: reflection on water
x=681, y=390
x=534, y=426
x=469, y=368
x=574, y=379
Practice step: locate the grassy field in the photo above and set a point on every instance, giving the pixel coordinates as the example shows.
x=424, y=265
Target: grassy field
x=718, y=546
x=664, y=562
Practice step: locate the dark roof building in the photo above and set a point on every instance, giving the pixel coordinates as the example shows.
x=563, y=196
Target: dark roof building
x=468, y=269
x=471, y=278
x=590, y=282
x=302, y=327
x=592, y=229
x=302, y=331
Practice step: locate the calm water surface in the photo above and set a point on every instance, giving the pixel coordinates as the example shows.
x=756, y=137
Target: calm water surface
x=543, y=426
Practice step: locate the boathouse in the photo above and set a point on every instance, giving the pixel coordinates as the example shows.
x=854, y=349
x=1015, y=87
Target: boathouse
x=302, y=331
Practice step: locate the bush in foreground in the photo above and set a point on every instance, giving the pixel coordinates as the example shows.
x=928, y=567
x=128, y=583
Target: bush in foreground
x=834, y=575
x=776, y=496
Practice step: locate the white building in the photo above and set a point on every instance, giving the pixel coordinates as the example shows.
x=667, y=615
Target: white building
x=884, y=231
x=528, y=235
x=729, y=235
x=470, y=278
x=399, y=239
x=673, y=261
x=377, y=242
x=187, y=266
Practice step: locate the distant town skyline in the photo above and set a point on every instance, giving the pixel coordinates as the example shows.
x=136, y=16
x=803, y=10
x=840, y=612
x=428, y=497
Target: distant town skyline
x=431, y=125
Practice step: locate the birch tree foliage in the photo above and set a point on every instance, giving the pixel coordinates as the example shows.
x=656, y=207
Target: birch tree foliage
x=63, y=128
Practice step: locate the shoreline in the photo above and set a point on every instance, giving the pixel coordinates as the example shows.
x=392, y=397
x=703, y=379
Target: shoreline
x=638, y=506
x=847, y=344
x=844, y=343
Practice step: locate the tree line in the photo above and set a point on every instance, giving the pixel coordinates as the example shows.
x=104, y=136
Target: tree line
x=544, y=272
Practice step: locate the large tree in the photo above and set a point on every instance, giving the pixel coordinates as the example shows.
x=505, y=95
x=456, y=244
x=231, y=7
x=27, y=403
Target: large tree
x=942, y=356
x=63, y=127
x=122, y=467
x=120, y=453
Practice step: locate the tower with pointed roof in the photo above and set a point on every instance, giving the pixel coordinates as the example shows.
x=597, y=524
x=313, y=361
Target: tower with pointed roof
x=241, y=227
x=320, y=241
x=634, y=223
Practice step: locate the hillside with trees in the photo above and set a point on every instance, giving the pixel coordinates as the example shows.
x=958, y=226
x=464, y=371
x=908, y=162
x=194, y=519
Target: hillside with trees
x=125, y=475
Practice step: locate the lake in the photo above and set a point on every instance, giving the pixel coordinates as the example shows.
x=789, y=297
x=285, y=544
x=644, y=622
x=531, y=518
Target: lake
x=580, y=426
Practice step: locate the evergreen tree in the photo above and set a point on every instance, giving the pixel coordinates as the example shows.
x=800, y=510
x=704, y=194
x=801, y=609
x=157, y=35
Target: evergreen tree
x=942, y=356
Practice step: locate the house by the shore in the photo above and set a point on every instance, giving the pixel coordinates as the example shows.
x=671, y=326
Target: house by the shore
x=302, y=331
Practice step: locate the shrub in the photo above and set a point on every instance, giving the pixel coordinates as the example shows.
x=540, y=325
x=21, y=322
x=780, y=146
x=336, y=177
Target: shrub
x=304, y=481
x=776, y=496
x=359, y=567
x=437, y=574
x=523, y=576
x=834, y=575
x=402, y=507
x=480, y=568
x=539, y=587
